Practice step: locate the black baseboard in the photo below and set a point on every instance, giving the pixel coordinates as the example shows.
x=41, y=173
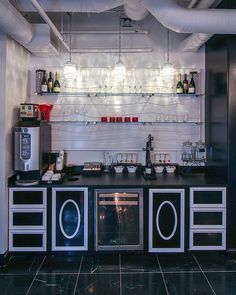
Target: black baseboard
x=4, y=258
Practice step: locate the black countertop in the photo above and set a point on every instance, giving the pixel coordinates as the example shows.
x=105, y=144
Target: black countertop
x=137, y=180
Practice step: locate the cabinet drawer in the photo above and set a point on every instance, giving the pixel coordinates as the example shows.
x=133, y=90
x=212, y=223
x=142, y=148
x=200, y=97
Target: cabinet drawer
x=27, y=219
x=208, y=218
x=208, y=197
x=27, y=198
x=26, y=240
x=207, y=240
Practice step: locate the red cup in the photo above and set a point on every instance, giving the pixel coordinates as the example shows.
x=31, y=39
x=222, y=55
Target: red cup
x=103, y=119
x=112, y=119
x=45, y=110
x=119, y=119
x=127, y=119
x=135, y=119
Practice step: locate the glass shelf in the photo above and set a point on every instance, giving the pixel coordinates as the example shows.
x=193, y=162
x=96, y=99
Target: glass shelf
x=120, y=123
x=102, y=94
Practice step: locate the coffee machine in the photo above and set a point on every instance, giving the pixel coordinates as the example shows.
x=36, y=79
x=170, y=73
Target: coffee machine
x=32, y=150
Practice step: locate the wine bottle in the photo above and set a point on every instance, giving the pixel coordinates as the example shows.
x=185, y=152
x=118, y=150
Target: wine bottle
x=56, y=85
x=185, y=84
x=50, y=82
x=192, y=86
x=179, y=86
x=44, y=84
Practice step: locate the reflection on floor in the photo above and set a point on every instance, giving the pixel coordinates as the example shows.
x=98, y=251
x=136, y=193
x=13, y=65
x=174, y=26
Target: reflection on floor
x=121, y=274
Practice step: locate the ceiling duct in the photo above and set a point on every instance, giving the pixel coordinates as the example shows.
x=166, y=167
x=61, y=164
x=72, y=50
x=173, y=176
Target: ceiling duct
x=44, y=43
x=37, y=38
x=184, y=20
x=135, y=10
x=195, y=41
x=95, y=6
x=14, y=24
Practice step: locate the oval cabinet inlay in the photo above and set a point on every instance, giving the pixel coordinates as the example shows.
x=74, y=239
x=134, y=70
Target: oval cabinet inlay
x=166, y=203
x=66, y=235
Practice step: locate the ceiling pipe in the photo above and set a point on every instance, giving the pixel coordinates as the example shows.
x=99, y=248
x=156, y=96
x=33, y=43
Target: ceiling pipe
x=14, y=24
x=54, y=29
x=135, y=10
x=184, y=20
x=195, y=41
x=95, y=6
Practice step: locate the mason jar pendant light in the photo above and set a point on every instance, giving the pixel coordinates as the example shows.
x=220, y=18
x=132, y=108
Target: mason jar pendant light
x=69, y=71
x=168, y=68
x=119, y=71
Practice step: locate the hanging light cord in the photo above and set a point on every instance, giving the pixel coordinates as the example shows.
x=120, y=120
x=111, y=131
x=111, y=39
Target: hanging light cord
x=70, y=14
x=119, y=36
x=168, y=46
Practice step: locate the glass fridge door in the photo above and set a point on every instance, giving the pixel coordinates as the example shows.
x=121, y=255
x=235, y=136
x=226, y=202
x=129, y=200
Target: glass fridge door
x=119, y=219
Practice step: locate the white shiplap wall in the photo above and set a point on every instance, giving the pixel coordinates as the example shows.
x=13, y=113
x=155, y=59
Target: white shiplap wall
x=88, y=142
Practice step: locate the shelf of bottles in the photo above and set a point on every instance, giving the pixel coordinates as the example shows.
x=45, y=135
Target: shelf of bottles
x=88, y=99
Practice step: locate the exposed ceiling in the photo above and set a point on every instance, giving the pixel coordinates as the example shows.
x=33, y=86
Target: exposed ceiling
x=94, y=17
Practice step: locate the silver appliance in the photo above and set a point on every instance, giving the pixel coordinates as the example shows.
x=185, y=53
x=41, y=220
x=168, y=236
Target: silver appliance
x=32, y=148
x=119, y=219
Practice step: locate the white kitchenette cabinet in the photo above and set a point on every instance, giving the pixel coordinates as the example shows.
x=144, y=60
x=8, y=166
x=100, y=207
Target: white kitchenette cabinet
x=69, y=229
x=166, y=220
x=27, y=219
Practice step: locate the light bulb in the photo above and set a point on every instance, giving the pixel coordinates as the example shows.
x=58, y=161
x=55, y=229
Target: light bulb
x=69, y=71
x=119, y=71
x=168, y=70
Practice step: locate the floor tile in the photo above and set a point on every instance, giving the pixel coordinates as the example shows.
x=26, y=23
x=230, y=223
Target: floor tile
x=178, y=263
x=15, y=284
x=143, y=284
x=139, y=263
x=188, y=283
x=57, y=264
x=100, y=264
x=22, y=264
x=215, y=261
x=223, y=283
x=48, y=284
x=98, y=284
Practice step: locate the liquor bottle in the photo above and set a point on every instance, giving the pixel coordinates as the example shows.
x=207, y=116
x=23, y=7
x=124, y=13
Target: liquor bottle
x=192, y=86
x=185, y=84
x=50, y=83
x=44, y=84
x=56, y=85
x=179, y=86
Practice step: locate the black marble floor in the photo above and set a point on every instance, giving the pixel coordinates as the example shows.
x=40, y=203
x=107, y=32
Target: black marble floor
x=119, y=274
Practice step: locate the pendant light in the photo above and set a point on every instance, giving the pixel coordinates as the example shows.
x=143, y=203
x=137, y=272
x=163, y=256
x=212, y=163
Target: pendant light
x=119, y=71
x=168, y=68
x=69, y=71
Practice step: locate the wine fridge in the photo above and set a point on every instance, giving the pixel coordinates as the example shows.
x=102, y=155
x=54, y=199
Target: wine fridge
x=118, y=219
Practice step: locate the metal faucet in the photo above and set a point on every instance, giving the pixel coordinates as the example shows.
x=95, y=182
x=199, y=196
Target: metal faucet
x=148, y=150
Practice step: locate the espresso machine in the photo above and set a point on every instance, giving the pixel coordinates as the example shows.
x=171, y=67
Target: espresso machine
x=32, y=150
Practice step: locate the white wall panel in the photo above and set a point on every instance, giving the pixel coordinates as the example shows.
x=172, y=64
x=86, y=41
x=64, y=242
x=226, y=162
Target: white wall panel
x=14, y=63
x=88, y=142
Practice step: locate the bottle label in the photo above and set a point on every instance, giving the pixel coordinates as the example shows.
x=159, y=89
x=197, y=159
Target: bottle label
x=56, y=89
x=179, y=90
x=191, y=90
x=44, y=88
x=148, y=170
x=50, y=85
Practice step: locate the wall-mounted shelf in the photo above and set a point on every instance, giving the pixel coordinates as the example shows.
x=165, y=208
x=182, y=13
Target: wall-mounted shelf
x=102, y=94
x=120, y=123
